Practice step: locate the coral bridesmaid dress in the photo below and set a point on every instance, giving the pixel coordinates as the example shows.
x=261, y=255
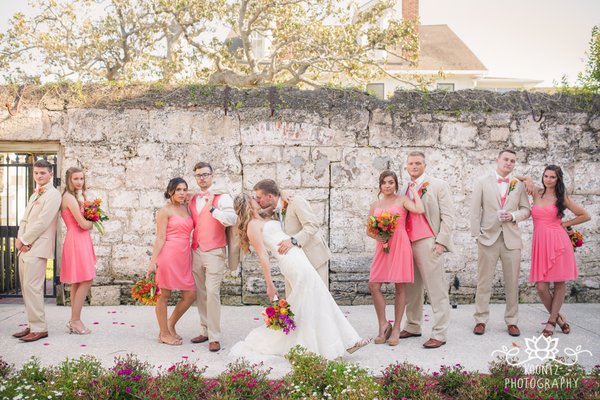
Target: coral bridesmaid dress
x=552, y=255
x=397, y=265
x=174, y=261
x=78, y=257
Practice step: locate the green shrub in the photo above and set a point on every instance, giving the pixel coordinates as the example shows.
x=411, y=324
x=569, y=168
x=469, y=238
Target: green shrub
x=127, y=379
x=404, y=380
x=451, y=378
x=242, y=380
x=181, y=381
x=76, y=378
x=29, y=382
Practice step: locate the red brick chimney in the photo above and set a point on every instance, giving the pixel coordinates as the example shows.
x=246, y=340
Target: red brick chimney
x=410, y=10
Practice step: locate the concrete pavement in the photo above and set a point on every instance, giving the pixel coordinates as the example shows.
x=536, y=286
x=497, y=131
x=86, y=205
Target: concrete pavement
x=118, y=330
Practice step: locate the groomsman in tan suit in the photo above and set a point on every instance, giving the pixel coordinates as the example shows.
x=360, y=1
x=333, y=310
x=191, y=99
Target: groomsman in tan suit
x=300, y=222
x=212, y=211
x=35, y=243
x=499, y=203
x=431, y=236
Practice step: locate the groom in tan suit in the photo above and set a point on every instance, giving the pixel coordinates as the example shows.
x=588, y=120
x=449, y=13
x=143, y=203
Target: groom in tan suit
x=35, y=243
x=300, y=222
x=431, y=236
x=499, y=203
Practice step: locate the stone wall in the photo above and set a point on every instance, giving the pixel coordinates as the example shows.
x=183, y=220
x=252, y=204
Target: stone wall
x=328, y=146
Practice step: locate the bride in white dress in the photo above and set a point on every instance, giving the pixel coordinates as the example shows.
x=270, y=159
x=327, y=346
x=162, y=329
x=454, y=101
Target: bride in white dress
x=321, y=327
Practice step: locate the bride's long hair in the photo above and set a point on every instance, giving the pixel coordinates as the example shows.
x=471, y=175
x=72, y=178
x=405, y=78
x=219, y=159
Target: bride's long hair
x=243, y=209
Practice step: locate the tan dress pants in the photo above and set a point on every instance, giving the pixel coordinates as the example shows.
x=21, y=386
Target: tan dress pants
x=208, y=268
x=429, y=275
x=486, y=264
x=32, y=274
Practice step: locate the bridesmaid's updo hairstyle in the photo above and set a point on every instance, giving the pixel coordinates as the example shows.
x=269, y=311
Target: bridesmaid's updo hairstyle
x=384, y=175
x=561, y=195
x=172, y=186
x=243, y=209
x=69, y=188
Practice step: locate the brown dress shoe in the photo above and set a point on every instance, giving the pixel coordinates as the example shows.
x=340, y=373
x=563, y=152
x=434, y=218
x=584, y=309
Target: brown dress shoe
x=406, y=334
x=199, y=339
x=214, y=346
x=24, y=332
x=33, y=336
x=513, y=330
x=479, y=329
x=433, y=344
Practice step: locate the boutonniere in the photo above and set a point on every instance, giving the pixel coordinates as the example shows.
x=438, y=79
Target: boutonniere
x=284, y=209
x=512, y=186
x=39, y=192
x=424, y=188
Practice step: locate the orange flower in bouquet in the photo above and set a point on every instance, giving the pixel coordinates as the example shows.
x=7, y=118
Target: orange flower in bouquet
x=576, y=237
x=279, y=316
x=93, y=212
x=146, y=291
x=384, y=225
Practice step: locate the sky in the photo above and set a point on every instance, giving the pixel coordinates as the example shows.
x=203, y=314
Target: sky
x=529, y=39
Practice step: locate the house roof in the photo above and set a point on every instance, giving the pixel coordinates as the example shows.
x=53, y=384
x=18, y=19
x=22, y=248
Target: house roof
x=440, y=49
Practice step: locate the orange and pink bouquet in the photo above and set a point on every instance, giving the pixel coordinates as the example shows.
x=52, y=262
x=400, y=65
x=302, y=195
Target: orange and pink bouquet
x=576, y=237
x=93, y=212
x=279, y=316
x=146, y=291
x=384, y=225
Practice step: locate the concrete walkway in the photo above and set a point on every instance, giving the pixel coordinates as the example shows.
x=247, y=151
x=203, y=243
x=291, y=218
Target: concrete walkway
x=119, y=330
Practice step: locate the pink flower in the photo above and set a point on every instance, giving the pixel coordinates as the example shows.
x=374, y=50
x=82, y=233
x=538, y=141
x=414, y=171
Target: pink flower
x=270, y=311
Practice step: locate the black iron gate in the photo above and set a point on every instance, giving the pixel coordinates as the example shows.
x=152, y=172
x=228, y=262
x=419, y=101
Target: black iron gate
x=16, y=185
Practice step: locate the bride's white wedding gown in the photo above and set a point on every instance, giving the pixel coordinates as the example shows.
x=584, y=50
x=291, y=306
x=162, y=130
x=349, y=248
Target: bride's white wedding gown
x=321, y=327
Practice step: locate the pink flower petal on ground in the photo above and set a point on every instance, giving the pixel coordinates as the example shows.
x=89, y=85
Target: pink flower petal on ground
x=46, y=344
x=22, y=324
x=133, y=326
x=193, y=351
x=391, y=321
x=186, y=357
x=115, y=322
x=256, y=318
x=83, y=345
x=96, y=323
x=122, y=323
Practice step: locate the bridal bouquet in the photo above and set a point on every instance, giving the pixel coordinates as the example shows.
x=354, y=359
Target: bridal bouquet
x=146, y=291
x=576, y=237
x=279, y=316
x=383, y=225
x=93, y=212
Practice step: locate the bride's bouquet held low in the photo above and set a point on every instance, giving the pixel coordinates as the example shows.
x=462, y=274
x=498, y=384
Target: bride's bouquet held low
x=384, y=225
x=279, y=316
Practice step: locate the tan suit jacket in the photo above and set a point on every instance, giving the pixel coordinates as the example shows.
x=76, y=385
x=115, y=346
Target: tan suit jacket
x=439, y=210
x=38, y=226
x=301, y=223
x=485, y=226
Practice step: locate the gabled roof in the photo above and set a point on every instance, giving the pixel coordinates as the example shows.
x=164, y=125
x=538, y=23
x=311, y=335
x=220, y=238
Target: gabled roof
x=440, y=49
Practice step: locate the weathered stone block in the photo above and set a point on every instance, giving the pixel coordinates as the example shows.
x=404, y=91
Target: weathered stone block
x=27, y=124
x=105, y=295
x=529, y=135
x=499, y=134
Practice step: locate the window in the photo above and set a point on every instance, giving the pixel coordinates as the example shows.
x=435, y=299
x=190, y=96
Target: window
x=376, y=89
x=448, y=87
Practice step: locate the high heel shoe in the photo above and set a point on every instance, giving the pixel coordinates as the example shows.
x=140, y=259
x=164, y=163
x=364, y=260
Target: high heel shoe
x=386, y=335
x=394, y=341
x=73, y=330
x=359, y=345
x=564, y=327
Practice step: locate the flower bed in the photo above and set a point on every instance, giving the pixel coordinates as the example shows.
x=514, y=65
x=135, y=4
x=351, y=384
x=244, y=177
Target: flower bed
x=312, y=377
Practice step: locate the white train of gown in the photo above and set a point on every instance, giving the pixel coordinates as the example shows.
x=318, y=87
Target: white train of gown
x=321, y=327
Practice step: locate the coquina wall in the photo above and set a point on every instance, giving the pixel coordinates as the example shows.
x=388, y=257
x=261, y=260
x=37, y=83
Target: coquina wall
x=328, y=146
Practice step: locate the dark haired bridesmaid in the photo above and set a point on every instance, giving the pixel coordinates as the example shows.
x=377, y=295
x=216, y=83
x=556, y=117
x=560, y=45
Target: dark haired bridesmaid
x=172, y=259
x=552, y=254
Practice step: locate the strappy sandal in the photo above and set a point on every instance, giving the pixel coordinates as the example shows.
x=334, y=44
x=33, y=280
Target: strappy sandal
x=359, y=345
x=174, y=342
x=564, y=327
x=546, y=332
x=73, y=330
x=386, y=335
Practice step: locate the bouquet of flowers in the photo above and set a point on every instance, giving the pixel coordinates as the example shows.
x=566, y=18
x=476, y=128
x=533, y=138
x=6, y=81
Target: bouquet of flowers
x=93, y=212
x=576, y=237
x=383, y=225
x=279, y=316
x=146, y=291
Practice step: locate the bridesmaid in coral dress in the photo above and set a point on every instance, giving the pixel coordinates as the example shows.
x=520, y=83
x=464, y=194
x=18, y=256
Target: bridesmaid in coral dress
x=397, y=265
x=172, y=260
x=552, y=255
x=77, y=266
